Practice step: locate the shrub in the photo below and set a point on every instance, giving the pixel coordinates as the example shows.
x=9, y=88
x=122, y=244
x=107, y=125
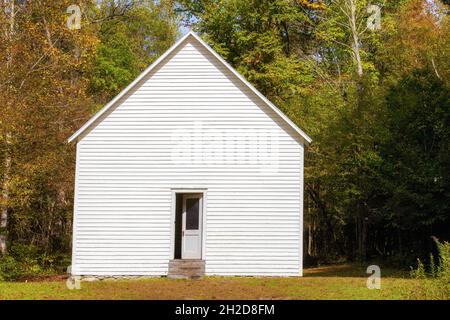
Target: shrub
x=10, y=269
x=434, y=283
x=28, y=260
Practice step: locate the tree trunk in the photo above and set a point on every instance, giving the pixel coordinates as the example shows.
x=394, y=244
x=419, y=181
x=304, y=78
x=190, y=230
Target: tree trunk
x=353, y=26
x=5, y=198
x=364, y=239
x=310, y=237
x=9, y=32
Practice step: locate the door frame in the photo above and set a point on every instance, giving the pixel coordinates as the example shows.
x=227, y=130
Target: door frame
x=184, y=190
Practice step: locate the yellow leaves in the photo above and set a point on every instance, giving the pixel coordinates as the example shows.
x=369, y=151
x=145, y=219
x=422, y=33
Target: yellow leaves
x=313, y=5
x=416, y=38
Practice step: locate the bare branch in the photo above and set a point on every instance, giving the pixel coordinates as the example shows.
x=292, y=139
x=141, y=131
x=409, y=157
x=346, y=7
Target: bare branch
x=33, y=67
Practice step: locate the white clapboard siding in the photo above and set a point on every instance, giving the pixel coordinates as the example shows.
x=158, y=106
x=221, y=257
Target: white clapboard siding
x=126, y=171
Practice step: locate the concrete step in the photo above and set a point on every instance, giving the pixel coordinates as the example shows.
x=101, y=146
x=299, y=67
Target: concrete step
x=186, y=269
x=188, y=264
x=181, y=269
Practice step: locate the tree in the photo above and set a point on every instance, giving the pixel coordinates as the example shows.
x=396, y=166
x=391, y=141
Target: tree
x=46, y=76
x=43, y=91
x=416, y=159
x=260, y=39
x=128, y=44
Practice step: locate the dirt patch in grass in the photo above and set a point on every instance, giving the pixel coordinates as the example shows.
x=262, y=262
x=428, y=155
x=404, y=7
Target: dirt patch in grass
x=42, y=278
x=353, y=271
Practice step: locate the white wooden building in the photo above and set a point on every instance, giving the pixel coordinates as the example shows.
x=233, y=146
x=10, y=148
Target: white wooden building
x=189, y=164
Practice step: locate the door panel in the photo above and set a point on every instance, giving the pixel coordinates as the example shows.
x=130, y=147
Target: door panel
x=192, y=227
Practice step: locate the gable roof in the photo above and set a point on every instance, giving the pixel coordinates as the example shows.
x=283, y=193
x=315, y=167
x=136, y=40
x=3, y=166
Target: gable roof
x=90, y=123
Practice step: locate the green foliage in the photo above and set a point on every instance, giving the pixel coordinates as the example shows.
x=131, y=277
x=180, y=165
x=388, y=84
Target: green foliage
x=257, y=38
x=28, y=260
x=128, y=44
x=416, y=159
x=434, y=283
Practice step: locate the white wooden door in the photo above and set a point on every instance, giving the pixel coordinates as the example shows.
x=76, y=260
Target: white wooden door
x=191, y=243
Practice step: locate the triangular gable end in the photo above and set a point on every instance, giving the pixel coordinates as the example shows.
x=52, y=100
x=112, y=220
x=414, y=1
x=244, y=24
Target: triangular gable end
x=91, y=122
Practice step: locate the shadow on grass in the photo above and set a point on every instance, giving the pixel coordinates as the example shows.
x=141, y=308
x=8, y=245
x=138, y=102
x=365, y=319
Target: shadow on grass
x=352, y=271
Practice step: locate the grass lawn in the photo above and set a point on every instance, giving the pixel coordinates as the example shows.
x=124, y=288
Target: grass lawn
x=331, y=282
